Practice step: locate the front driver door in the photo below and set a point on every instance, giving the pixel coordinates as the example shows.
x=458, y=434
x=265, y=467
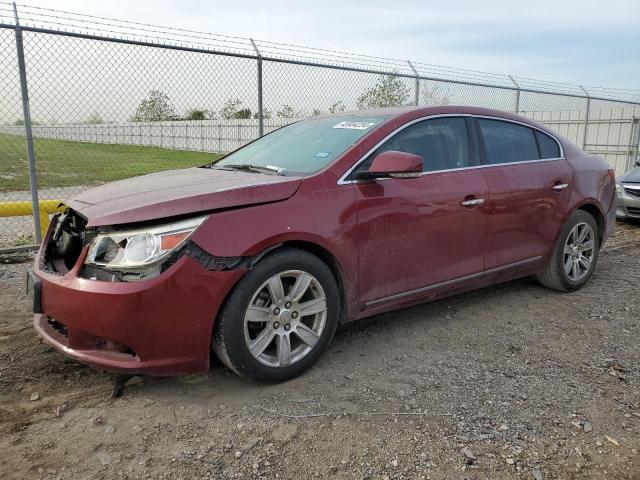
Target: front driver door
x=420, y=235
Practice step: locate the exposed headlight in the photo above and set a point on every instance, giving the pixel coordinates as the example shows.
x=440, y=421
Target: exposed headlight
x=131, y=249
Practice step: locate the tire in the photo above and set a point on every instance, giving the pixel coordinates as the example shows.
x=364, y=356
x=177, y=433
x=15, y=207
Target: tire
x=555, y=275
x=257, y=297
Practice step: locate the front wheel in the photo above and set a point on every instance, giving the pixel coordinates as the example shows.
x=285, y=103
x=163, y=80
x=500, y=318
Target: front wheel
x=279, y=318
x=575, y=254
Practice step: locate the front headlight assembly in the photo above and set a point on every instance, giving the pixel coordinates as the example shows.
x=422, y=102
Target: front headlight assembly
x=139, y=249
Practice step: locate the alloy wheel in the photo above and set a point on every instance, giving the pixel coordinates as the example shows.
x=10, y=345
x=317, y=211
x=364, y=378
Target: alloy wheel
x=579, y=251
x=285, y=318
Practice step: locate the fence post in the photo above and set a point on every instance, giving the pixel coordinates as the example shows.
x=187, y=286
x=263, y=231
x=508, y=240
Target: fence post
x=517, y=94
x=586, y=117
x=638, y=142
x=33, y=180
x=260, y=109
x=634, y=143
x=416, y=98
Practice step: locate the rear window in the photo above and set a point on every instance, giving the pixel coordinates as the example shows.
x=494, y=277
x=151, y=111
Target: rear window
x=548, y=146
x=507, y=142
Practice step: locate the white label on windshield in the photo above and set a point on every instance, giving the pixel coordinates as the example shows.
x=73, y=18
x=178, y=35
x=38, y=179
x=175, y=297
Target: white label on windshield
x=354, y=125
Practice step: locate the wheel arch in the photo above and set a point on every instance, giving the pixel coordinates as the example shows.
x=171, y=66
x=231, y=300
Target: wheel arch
x=593, y=210
x=327, y=257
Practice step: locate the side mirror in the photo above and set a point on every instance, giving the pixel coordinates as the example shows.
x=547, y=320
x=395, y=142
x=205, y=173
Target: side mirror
x=393, y=164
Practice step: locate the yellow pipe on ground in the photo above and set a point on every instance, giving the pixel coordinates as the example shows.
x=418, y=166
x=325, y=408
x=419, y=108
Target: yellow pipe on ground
x=19, y=209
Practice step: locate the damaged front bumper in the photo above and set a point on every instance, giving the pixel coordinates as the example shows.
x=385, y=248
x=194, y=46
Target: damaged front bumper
x=156, y=326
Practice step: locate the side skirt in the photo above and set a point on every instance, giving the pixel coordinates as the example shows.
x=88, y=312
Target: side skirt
x=492, y=275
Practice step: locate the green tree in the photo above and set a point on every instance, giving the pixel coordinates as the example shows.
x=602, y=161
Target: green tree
x=196, y=114
x=389, y=91
x=266, y=114
x=155, y=108
x=243, y=113
x=316, y=112
x=230, y=108
x=287, y=111
x=95, y=119
x=337, y=107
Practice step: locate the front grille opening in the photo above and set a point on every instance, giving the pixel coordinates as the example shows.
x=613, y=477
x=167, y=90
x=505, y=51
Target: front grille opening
x=634, y=210
x=113, y=346
x=58, y=327
x=632, y=192
x=65, y=243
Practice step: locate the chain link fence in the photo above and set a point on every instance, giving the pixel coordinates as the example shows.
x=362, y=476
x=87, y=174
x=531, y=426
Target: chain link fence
x=112, y=99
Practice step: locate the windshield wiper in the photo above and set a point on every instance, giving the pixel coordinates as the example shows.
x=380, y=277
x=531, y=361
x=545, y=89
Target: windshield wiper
x=253, y=168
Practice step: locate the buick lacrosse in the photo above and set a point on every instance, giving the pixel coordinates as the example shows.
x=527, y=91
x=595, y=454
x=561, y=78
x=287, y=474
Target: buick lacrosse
x=260, y=256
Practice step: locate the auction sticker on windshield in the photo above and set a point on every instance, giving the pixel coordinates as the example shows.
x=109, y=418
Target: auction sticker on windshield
x=354, y=125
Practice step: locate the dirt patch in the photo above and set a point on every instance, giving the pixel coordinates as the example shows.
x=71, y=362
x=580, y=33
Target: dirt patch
x=513, y=381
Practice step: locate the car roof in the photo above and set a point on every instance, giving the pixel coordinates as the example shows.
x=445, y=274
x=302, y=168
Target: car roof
x=391, y=112
x=409, y=113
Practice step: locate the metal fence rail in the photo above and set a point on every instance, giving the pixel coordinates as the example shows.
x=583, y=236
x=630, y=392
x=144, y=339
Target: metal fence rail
x=87, y=100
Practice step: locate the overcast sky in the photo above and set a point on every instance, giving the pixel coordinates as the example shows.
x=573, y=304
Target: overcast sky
x=581, y=42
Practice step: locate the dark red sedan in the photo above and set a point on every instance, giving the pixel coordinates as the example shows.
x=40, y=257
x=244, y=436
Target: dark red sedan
x=260, y=256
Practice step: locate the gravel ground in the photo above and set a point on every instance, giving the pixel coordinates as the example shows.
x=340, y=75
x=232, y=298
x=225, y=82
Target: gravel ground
x=513, y=381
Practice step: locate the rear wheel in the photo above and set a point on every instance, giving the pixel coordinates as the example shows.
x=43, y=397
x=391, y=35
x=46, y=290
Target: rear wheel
x=575, y=254
x=279, y=318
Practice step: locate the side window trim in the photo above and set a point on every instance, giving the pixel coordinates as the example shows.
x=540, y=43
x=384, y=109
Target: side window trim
x=347, y=176
x=500, y=121
x=483, y=152
x=472, y=151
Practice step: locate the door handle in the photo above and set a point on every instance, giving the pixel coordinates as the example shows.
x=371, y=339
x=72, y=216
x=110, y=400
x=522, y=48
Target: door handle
x=558, y=187
x=473, y=202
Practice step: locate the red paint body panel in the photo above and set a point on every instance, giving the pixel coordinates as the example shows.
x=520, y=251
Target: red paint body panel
x=395, y=241
x=178, y=192
x=167, y=321
x=396, y=162
x=524, y=213
x=414, y=232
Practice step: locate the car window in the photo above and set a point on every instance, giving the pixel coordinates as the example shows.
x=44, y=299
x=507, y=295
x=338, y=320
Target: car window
x=507, y=142
x=548, y=146
x=304, y=147
x=442, y=143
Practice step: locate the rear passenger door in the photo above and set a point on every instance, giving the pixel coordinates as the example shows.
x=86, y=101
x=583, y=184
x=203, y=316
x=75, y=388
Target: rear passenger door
x=529, y=185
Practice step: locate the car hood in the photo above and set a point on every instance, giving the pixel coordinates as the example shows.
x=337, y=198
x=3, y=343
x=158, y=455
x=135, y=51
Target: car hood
x=179, y=192
x=633, y=176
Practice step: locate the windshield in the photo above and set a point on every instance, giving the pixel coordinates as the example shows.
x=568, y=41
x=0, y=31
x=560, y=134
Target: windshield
x=302, y=148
